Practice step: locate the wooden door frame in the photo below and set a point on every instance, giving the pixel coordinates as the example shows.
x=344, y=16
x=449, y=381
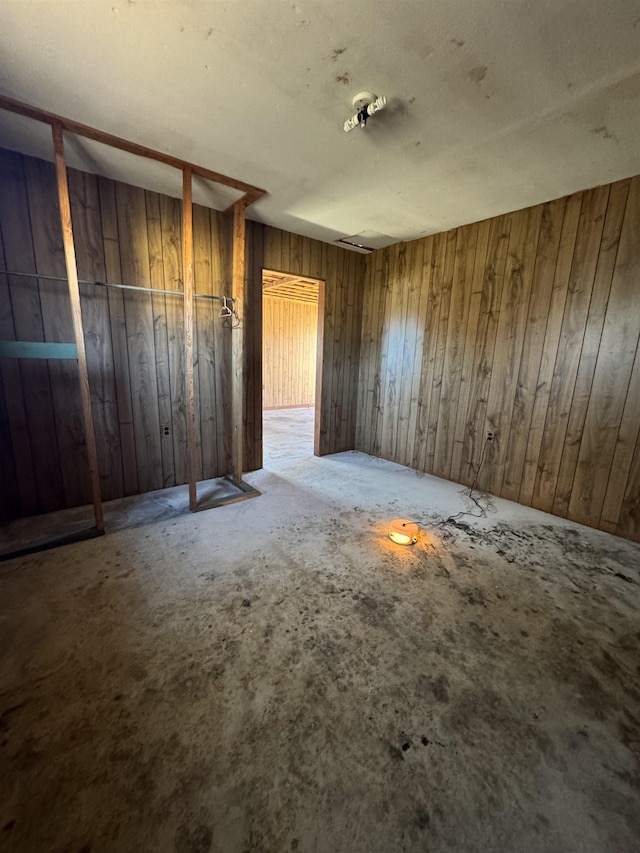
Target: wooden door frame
x=319, y=357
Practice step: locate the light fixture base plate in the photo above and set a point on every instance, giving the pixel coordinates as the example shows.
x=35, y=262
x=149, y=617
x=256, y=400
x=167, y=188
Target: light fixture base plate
x=362, y=99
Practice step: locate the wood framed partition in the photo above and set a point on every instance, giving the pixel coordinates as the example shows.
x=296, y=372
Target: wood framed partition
x=59, y=126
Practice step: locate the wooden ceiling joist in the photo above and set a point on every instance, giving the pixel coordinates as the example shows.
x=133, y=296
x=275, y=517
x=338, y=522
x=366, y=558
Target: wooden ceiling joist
x=290, y=286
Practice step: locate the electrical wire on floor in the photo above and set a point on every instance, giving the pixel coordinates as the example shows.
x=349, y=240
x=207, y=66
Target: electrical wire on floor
x=482, y=509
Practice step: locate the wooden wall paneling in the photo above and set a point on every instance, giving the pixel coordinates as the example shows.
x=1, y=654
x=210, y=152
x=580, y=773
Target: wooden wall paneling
x=204, y=341
x=607, y=251
x=425, y=339
x=27, y=318
x=335, y=363
x=376, y=290
x=532, y=348
x=134, y=259
x=285, y=251
x=221, y=237
x=562, y=271
x=587, y=281
x=432, y=279
x=160, y=334
x=171, y=236
x=585, y=257
x=627, y=443
x=295, y=254
x=89, y=246
x=494, y=268
x=611, y=381
x=420, y=260
x=317, y=259
x=18, y=494
x=118, y=333
x=444, y=274
x=366, y=344
x=462, y=277
x=324, y=437
x=351, y=338
x=475, y=287
x=534, y=334
x=409, y=295
x=516, y=291
x=629, y=519
x=289, y=345
x=58, y=327
x=388, y=362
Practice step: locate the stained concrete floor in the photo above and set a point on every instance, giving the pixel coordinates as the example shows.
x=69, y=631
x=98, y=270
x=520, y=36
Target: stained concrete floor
x=276, y=675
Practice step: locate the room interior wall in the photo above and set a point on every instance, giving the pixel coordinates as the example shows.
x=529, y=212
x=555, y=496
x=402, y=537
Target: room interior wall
x=134, y=342
x=342, y=272
x=288, y=352
x=526, y=325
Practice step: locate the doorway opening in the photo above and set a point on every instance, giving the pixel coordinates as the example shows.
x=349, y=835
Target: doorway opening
x=292, y=321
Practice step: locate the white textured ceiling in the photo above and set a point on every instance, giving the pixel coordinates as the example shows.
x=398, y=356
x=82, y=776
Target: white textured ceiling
x=493, y=105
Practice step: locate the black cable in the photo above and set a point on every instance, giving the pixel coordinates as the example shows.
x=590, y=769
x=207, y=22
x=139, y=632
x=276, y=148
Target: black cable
x=483, y=510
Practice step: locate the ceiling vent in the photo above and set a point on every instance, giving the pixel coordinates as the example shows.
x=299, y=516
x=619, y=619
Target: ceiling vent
x=367, y=241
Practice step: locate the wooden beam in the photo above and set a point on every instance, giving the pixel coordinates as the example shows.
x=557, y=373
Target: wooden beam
x=187, y=274
x=317, y=425
x=237, y=291
x=76, y=314
x=11, y=105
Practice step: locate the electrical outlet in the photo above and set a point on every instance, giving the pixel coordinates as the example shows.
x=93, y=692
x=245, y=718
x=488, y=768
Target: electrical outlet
x=490, y=435
x=166, y=429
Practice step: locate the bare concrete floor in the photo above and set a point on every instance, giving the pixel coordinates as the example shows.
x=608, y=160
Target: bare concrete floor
x=276, y=675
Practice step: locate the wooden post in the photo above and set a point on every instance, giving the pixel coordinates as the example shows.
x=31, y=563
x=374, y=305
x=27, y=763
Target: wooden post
x=76, y=314
x=237, y=291
x=187, y=274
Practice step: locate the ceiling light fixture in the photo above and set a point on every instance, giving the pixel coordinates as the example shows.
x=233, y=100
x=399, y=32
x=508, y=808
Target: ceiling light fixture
x=365, y=104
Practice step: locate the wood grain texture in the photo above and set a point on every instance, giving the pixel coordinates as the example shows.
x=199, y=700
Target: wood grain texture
x=78, y=329
x=30, y=389
x=528, y=325
x=289, y=352
x=134, y=343
x=342, y=272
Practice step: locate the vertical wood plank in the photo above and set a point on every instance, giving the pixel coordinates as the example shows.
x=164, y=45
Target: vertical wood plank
x=462, y=275
x=160, y=335
x=479, y=255
x=613, y=372
x=118, y=335
x=523, y=242
x=526, y=388
x=571, y=336
x=134, y=261
x=171, y=236
x=494, y=268
x=90, y=258
x=18, y=495
x=561, y=273
x=607, y=252
x=32, y=376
